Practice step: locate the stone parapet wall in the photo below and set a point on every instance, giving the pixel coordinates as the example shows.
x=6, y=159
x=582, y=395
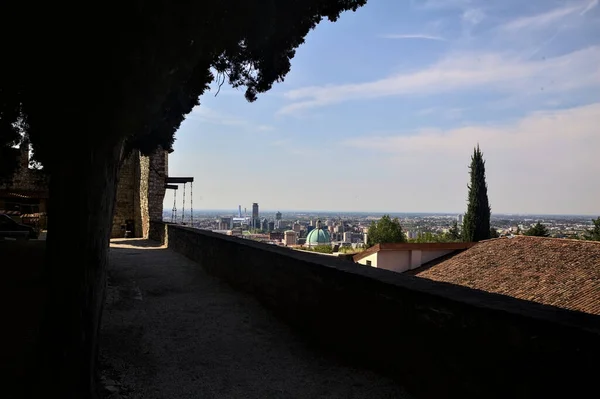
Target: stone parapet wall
x=438, y=340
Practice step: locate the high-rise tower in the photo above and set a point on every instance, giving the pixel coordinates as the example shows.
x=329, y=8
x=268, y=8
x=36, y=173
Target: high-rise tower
x=255, y=219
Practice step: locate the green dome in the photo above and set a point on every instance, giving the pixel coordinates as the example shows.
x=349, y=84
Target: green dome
x=318, y=236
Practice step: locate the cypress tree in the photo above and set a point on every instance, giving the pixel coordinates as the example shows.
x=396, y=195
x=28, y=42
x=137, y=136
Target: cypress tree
x=476, y=222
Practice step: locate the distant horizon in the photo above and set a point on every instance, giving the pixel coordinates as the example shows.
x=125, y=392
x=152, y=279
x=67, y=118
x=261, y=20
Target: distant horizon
x=283, y=211
x=382, y=110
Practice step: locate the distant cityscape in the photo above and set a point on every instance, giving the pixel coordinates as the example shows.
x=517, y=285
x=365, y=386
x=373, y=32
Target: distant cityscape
x=349, y=229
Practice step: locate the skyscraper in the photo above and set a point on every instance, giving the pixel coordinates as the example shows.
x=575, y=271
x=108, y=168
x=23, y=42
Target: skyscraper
x=278, y=216
x=255, y=219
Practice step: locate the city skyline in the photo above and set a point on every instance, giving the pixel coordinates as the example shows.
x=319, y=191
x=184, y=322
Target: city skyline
x=285, y=212
x=382, y=109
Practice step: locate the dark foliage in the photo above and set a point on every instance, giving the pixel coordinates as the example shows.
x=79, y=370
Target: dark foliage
x=180, y=101
x=92, y=86
x=143, y=75
x=454, y=232
x=537, y=230
x=593, y=234
x=10, y=112
x=385, y=230
x=476, y=222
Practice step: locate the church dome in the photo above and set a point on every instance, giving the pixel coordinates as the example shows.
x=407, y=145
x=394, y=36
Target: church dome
x=318, y=236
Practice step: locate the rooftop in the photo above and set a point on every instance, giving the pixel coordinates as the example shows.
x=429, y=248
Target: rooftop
x=404, y=246
x=318, y=236
x=551, y=271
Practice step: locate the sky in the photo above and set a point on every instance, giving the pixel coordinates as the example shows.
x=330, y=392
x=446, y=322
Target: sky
x=382, y=109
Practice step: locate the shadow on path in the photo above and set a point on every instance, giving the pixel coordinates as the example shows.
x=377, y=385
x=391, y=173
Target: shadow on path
x=21, y=306
x=172, y=331
x=135, y=242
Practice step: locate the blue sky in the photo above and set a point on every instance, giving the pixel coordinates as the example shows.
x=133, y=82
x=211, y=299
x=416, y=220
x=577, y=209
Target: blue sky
x=382, y=109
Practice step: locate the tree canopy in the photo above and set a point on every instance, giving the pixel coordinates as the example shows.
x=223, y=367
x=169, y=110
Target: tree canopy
x=140, y=77
x=454, y=232
x=427, y=236
x=593, y=234
x=385, y=230
x=92, y=87
x=10, y=135
x=476, y=222
x=537, y=230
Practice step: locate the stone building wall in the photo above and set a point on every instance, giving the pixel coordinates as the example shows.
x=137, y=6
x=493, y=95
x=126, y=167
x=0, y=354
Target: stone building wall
x=25, y=178
x=140, y=189
x=26, y=181
x=140, y=192
x=141, y=206
x=125, y=197
x=158, y=172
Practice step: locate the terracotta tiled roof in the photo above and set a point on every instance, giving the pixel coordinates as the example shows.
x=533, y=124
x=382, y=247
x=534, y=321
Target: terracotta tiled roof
x=551, y=271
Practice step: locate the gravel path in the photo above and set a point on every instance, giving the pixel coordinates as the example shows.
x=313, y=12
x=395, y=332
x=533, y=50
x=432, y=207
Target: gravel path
x=172, y=331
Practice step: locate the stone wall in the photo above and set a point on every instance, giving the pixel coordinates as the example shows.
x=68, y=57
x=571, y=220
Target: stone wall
x=142, y=222
x=140, y=189
x=158, y=172
x=438, y=340
x=125, y=202
x=140, y=192
x=26, y=179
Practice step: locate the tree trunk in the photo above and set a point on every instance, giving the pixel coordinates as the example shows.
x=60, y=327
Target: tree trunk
x=82, y=194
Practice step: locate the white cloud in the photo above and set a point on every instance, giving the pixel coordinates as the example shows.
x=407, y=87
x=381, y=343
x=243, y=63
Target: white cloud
x=591, y=5
x=412, y=36
x=460, y=72
x=545, y=163
x=442, y=4
x=538, y=129
x=445, y=112
x=473, y=16
x=549, y=18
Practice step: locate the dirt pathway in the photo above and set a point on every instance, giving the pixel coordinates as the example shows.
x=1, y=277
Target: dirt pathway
x=172, y=331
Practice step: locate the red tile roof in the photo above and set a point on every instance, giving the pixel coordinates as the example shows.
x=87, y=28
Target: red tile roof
x=559, y=272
